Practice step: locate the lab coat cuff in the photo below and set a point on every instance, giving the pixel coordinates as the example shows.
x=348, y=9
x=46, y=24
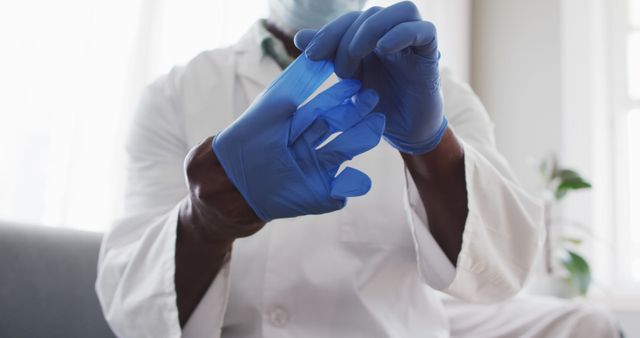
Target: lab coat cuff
x=148, y=307
x=142, y=301
x=434, y=266
x=170, y=234
x=500, y=239
x=501, y=236
x=207, y=318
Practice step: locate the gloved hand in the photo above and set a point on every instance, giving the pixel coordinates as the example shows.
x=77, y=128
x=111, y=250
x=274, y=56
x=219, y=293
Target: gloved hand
x=270, y=153
x=394, y=52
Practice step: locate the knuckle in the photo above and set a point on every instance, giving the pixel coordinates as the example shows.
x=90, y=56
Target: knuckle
x=339, y=24
x=409, y=6
x=431, y=27
x=190, y=164
x=372, y=10
x=368, y=24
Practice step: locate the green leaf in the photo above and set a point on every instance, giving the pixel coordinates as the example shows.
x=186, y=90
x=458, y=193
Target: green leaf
x=574, y=184
x=579, y=271
x=569, y=184
x=567, y=174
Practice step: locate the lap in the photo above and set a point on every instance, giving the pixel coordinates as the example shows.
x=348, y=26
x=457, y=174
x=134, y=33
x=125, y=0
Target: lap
x=528, y=316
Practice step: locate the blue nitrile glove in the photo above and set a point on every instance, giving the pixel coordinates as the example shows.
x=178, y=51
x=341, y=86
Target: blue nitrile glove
x=270, y=153
x=394, y=52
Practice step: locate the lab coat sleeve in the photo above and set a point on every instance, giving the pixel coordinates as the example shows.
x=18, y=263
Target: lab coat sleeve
x=135, y=283
x=503, y=230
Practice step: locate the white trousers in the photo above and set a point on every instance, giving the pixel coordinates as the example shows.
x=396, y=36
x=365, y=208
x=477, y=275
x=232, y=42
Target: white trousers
x=528, y=316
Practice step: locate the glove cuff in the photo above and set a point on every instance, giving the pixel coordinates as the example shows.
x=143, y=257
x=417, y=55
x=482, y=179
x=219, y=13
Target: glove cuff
x=423, y=147
x=239, y=185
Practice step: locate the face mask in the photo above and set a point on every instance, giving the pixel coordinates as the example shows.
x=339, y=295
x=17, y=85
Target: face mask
x=293, y=15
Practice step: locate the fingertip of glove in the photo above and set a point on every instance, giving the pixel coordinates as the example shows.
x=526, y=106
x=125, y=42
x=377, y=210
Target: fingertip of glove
x=314, y=50
x=350, y=183
x=303, y=37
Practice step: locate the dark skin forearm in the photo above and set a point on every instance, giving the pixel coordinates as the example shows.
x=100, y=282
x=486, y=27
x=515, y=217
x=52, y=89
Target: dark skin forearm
x=213, y=216
x=210, y=219
x=440, y=178
x=197, y=264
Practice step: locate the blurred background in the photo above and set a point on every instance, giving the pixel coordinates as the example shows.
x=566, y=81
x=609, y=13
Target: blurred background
x=560, y=78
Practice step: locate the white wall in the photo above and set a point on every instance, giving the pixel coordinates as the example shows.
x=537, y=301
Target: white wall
x=542, y=70
x=538, y=66
x=453, y=21
x=516, y=72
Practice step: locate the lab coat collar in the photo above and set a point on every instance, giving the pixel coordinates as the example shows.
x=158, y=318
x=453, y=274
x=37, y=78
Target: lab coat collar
x=253, y=63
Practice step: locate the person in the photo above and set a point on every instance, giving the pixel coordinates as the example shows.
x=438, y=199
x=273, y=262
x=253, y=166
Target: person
x=219, y=168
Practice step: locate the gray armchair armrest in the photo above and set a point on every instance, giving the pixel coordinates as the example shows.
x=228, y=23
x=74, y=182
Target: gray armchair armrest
x=47, y=278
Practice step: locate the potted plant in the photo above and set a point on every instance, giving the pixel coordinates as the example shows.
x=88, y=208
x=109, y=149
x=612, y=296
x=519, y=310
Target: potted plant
x=568, y=272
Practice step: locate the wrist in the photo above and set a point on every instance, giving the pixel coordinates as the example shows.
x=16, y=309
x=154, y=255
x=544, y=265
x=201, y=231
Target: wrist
x=423, y=146
x=446, y=157
x=194, y=233
x=214, y=211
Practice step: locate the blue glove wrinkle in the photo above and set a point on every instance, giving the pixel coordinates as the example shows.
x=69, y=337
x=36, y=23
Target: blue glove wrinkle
x=351, y=111
x=420, y=36
x=376, y=26
x=269, y=153
x=330, y=98
x=346, y=65
x=395, y=53
x=356, y=140
x=317, y=133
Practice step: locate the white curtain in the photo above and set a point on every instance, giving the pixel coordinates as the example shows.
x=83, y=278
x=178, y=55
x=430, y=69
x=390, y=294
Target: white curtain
x=70, y=75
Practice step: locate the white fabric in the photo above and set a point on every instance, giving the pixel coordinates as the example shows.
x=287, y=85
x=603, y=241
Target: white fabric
x=366, y=271
x=527, y=316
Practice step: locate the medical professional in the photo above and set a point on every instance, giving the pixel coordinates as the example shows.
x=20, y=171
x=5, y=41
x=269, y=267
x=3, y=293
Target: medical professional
x=239, y=223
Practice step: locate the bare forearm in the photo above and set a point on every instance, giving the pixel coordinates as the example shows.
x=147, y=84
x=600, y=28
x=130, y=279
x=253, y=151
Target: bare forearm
x=440, y=179
x=213, y=216
x=197, y=264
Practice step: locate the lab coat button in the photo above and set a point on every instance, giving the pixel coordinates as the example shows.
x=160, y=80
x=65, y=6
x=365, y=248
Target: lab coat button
x=278, y=317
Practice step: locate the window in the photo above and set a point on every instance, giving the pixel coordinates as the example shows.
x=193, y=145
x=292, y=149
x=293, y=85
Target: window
x=601, y=138
x=71, y=74
x=626, y=59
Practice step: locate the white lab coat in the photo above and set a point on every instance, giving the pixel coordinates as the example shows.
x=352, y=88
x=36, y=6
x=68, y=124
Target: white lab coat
x=369, y=270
